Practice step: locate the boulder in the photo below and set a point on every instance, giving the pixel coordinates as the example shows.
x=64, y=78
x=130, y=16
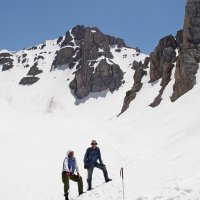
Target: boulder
x=29, y=80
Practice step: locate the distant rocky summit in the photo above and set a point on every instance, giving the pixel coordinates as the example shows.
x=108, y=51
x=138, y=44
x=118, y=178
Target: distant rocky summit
x=84, y=48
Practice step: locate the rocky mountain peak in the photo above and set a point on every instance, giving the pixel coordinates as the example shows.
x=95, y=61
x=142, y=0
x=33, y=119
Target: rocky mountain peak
x=82, y=48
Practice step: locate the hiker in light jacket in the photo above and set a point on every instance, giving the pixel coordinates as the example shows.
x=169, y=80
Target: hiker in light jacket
x=92, y=155
x=68, y=173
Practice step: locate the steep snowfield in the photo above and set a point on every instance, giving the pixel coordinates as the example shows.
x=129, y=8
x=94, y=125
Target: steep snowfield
x=159, y=148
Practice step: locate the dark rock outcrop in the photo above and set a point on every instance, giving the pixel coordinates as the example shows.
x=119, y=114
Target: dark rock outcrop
x=105, y=76
x=82, y=46
x=139, y=73
x=162, y=53
x=64, y=58
x=34, y=70
x=189, y=54
x=6, y=61
x=29, y=80
x=162, y=62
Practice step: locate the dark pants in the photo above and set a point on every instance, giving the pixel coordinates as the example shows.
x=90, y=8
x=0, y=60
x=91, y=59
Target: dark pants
x=90, y=172
x=75, y=178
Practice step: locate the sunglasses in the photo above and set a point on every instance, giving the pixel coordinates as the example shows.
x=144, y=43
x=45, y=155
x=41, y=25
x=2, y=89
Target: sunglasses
x=93, y=143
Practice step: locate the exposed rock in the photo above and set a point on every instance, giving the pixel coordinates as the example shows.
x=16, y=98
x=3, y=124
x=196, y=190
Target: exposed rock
x=67, y=40
x=6, y=61
x=24, y=60
x=146, y=61
x=32, y=48
x=105, y=76
x=131, y=94
x=179, y=38
x=43, y=45
x=64, y=57
x=59, y=39
x=38, y=58
x=162, y=53
x=91, y=44
x=24, y=55
x=116, y=41
x=34, y=70
x=29, y=80
x=118, y=50
x=158, y=99
x=189, y=55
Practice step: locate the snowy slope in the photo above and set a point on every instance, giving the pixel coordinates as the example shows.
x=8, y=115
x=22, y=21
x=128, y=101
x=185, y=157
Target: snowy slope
x=159, y=148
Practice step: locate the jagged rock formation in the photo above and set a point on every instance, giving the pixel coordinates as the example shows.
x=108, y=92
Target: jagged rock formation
x=105, y=76
x=163, y=53
x=181, y=52
x=162, y=62
x=139, y=73
x=82, y=48
x=6, y=61
x=189, y=55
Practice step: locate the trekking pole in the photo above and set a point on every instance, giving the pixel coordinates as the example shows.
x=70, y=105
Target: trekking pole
x=122, y=175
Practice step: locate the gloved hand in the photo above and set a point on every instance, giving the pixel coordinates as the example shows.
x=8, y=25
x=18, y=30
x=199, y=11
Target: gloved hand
x=68, y=173
x=103, y=165
x=85, y=166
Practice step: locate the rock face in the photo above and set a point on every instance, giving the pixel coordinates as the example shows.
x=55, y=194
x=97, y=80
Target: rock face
x=105, y=76
x=187, y=43
x=139, y=73
x=189, y=54
x=164, y=53
x=83, y=47
x=6, y=61
x=162, y=62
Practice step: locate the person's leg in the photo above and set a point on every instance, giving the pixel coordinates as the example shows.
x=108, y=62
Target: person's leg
x=79, y=181
x=65, y=180
x=105, y=172
x=89, y=178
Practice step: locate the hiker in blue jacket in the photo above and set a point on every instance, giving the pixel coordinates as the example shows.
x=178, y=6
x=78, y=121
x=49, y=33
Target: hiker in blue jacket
x=92, y=155
x=68, y=173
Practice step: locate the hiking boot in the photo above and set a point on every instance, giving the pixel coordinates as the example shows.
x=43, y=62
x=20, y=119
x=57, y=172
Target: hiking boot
x=108, y=180
x=81, y=193
x=89, y=188
x=66, y=197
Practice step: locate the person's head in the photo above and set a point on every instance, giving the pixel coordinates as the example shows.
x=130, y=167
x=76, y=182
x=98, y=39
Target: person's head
x=94, y=144
x=70, y=153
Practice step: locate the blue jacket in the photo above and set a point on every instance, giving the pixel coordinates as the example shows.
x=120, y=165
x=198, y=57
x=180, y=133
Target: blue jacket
x=92, y=156
x=70, y=165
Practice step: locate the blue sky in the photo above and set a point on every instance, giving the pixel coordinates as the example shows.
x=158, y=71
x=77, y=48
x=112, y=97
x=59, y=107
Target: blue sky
x=141, y=23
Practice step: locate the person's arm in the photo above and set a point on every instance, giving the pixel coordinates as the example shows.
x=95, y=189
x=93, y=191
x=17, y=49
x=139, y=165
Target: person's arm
x=76, y=165
x=100, y=159
x=86, y=156
x=65, y=165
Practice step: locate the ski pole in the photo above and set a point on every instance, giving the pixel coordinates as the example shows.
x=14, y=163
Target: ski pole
x=122, y=175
